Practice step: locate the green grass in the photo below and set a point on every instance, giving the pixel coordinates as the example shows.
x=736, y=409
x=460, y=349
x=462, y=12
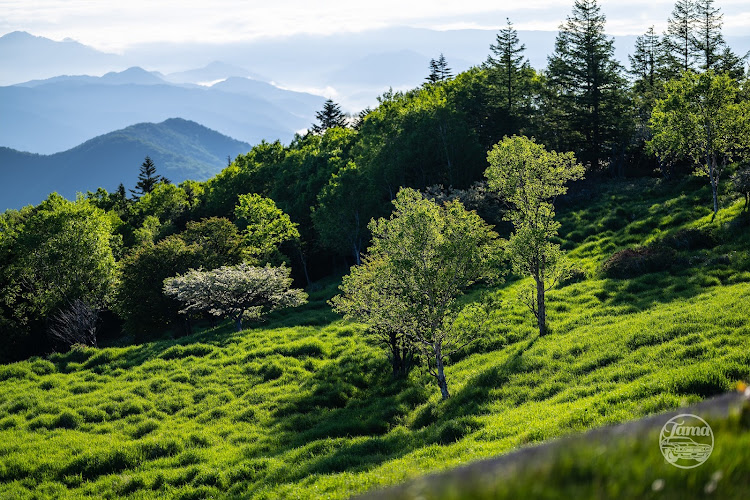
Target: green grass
x=303, y=405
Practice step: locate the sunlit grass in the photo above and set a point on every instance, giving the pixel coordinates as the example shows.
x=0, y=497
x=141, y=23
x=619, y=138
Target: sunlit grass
x=303, y=405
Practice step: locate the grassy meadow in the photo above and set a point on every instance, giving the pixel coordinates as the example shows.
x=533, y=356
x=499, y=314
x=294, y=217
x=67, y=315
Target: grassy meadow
x=303, y=405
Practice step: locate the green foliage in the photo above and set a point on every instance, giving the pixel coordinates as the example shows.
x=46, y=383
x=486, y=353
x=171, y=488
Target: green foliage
x=139, y=298
x=421, y=260
x=702, y=118
x=265, y=228
x=586, y=86
x=50, y=256
x=529, y=179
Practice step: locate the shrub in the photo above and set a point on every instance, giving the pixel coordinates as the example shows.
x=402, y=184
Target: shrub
x=690, y=239
x=633, y=262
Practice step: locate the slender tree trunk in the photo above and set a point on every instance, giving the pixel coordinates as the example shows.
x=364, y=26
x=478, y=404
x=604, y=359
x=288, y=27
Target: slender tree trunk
x=541, y=313
x=441, y=373
x=238, y=323
x=397, y=361
x=303, y=261
x=714, y=185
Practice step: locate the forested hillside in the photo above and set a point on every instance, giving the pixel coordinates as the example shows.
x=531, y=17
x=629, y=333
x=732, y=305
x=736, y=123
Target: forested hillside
x=493, y=259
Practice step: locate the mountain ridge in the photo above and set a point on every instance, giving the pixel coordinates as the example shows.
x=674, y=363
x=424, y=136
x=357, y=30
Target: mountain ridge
x=181, y=149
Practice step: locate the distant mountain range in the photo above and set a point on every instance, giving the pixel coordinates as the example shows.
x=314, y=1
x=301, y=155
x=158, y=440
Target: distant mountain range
x=52, y=115
x=181, y=149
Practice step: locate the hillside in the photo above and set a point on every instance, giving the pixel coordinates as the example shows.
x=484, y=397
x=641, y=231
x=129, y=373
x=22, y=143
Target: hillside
x=181, y=149
x=303, y=405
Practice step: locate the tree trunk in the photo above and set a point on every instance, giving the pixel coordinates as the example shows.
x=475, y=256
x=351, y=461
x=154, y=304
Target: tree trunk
x=397, y=362
x=714, y=184
x=238, y=323
x=441, y=373
x=541, y=313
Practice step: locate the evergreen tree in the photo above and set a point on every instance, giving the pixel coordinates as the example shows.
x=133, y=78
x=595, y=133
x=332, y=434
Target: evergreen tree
x=443, y=70
x=329, y=117
x=587, y=84
x=439, y=70
x=434, y=76
x=148, y=179
x=708, y=41
x=647, y=61
x=510, y=78
x=680, y=37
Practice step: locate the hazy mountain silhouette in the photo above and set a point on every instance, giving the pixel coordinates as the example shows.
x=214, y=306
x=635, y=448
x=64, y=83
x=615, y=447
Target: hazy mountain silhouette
x=24, y=57
x=181, y=149
x=53, y=115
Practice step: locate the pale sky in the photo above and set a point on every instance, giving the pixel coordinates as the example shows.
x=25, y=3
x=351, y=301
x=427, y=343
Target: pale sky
x=114, y=26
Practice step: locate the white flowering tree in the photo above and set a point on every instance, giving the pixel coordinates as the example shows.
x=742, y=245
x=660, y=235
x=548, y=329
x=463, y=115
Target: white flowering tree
x=237, y=292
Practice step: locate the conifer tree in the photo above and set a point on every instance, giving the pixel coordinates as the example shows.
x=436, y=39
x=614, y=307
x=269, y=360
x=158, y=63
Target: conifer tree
x=147, y=178
x=443, y=70
x=680, y=37
x=587, y=83
x=439, y=70
x=329, y=117
x=708, y=40
x=510, y=76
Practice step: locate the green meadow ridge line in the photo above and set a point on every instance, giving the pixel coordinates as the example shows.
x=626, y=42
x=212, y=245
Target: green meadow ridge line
x=505, y=467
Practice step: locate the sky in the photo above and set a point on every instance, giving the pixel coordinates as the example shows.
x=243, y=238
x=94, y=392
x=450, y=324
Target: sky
x=115, y=26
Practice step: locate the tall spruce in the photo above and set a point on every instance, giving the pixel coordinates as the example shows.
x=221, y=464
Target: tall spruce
x=708, y=40
x=647, y=60
x=587, y=83
x=148, y=179
x=680, y=37
x=439, y=70
x=510, y=78
x=329, y=117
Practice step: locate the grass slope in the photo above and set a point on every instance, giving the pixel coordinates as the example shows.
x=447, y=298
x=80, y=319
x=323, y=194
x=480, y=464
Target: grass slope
x=303, y=405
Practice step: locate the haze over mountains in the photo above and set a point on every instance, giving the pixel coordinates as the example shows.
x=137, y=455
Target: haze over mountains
x=264, y=89
x=57, y=114
x=180, y=149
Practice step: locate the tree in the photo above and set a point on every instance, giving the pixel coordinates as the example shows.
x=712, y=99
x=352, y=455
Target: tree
x=680, y=37
x=51, y=256
x=420, y=261
x=237, y=292
x=702, y=118
x=340, y=218
x=329, y=117
x=218, y=240
x=589, y=88
x=265, y=228
x=708, y=40
x=529, y=179
x=439, y=70
x=510, y=77
x=647, y=61
x=148, y=179
x=741, y=181
x=139, y=299
x=75, y=324
x=373, y=295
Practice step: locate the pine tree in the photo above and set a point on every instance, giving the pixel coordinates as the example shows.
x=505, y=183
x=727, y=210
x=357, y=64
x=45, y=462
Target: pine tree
x=329, y=117
x=680, y=37
x=434, y=76
x=708, y=41
x=648, y=59
x=587, y=83
x=443, y=70
x=510, y=78
x=439, y=71
x=147, y=179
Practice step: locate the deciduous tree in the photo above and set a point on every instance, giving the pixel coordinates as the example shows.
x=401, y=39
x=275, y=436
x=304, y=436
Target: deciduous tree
x=530, y=178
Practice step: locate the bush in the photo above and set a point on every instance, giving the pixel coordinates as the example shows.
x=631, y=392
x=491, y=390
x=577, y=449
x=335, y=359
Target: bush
x=633, y=262
x=690, y=239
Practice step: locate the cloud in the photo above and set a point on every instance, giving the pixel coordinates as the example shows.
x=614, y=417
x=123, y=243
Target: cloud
x=118, y=25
